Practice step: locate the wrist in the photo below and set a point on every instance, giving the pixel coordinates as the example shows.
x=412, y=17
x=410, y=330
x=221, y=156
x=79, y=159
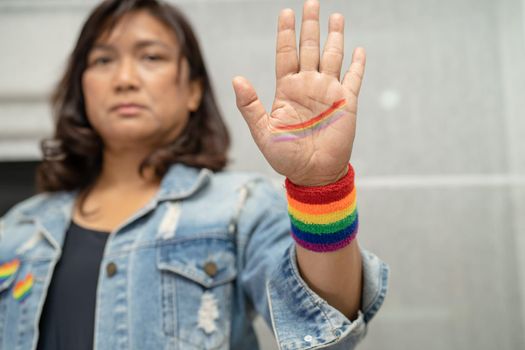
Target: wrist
x=323, y=185
x=320, y=180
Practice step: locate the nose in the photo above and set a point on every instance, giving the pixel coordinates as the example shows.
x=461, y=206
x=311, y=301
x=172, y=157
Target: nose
x=126, y=77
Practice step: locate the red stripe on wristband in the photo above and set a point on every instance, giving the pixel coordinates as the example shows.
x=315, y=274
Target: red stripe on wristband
x=322, y=194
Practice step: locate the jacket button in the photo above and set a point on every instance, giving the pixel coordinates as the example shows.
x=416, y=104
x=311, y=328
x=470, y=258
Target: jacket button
x=111, y=269
x=210, y=268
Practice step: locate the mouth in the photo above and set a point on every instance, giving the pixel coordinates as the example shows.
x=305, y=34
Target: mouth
x=127, y=108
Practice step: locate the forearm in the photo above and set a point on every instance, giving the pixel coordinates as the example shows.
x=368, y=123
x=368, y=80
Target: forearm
x=324, y=225
x=335, y=276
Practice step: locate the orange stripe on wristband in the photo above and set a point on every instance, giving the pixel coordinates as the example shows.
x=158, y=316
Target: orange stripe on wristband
x=316, y=209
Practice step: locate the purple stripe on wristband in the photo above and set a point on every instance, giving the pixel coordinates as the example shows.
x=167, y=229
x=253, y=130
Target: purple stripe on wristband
x=325, y=247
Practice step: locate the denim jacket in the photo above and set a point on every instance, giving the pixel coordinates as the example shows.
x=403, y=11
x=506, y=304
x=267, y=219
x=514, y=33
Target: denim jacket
x=189, y=270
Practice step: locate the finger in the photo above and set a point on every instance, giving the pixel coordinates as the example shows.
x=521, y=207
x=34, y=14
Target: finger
x=334, y=48
x=354, y=77
x=250, y=106
x=286, y=61
x=309, y=42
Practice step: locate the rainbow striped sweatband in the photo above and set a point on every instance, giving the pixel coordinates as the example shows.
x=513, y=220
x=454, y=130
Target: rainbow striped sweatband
x=300, y=130
x=324, y=218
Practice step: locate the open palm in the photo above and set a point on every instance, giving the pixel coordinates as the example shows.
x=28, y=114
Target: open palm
x=297, y=138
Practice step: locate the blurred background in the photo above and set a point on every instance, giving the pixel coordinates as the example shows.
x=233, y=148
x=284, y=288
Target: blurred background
x=439, y=154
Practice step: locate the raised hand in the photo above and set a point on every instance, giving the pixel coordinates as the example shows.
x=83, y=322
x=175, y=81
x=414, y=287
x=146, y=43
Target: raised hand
x=308, y=135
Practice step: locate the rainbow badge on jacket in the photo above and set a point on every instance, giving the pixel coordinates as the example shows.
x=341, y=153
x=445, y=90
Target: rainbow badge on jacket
x=8, y=269
x=23, y=287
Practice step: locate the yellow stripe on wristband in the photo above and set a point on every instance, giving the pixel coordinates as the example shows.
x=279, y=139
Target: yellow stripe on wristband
x=323, y=218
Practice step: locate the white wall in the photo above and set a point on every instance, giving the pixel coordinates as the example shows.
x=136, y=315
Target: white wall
x=440, y=151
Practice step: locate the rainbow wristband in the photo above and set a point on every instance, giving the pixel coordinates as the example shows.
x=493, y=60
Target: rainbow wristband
x=324, y=218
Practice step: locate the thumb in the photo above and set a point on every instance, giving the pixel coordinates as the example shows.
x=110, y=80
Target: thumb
x=249, y=105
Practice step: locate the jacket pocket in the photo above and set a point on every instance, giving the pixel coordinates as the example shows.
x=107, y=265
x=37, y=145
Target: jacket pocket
x=197, y=277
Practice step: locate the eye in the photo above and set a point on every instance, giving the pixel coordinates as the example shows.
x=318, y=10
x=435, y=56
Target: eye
x=102, y=60
x=152, y=58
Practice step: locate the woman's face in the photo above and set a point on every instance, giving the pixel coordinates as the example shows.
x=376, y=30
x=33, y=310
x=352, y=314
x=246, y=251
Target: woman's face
x=135, y=93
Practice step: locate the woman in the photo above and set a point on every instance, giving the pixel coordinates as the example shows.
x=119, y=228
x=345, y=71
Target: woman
x=132, y=186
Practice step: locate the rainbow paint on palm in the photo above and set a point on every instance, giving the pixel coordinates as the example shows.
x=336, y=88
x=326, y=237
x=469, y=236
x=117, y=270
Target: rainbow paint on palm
x=324, y=218
x=8, y=269
x=23, y=288
x=300, y=130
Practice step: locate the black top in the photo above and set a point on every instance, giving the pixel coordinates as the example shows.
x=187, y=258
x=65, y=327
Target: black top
x=68, y=317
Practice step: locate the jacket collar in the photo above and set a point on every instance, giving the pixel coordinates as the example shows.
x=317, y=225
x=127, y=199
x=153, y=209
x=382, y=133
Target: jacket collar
x=182, y=181
x=54, y=214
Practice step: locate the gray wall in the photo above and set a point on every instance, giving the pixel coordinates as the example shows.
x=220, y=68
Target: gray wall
x=439, y=155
